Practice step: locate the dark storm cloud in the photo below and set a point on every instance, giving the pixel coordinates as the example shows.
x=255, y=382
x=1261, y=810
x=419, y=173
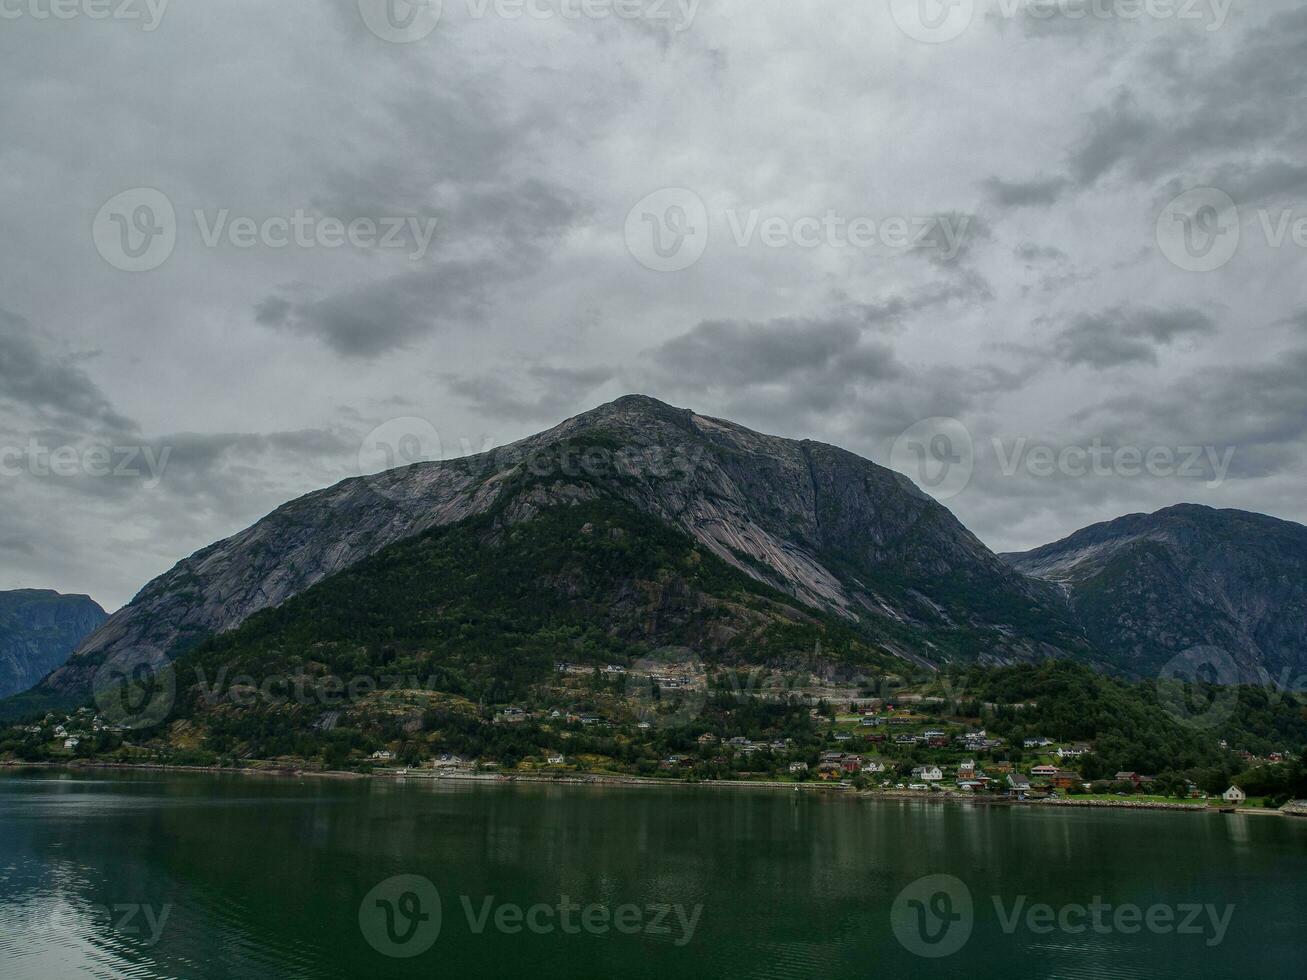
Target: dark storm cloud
x=1124, y=335
x=732, y=353
x=1032, y=253
x=1021, y=194
x=387, y=314
x=509, y=230
x=33, y=377
x=528, y=143
x=1193, y=112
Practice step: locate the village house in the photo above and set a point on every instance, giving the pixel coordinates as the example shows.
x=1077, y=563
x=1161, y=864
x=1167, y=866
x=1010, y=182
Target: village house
x=707, y=739
x=1037, y=743
x=382, y=755
x=1066, y=779
x=872, y=766
x=1128, y=777
x=1018, y=784
x=510, y=716
x=797, y=767
x=851, y=764
x=1234, y=795
x=1072, y=751
x=1044, y=772
x=928, y=774
x=555, y=760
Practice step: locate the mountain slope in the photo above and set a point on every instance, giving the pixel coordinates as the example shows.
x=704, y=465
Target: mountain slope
x=39, y=629
x=835, y=532
x=485, y=609
x=1148, y=587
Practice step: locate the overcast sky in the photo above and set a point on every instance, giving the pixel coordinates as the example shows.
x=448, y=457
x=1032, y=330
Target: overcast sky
x=989, y=244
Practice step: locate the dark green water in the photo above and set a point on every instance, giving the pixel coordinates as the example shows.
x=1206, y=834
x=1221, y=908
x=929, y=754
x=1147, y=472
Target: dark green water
x=225, y=876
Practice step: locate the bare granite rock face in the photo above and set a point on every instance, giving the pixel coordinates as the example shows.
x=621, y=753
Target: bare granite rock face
x=829, y=528
x=1224, y=586
x=39, y=629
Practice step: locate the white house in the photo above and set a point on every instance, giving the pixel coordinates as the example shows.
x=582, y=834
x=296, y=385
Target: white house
x=1234, y=795
x=798, y=767
x=72, y=743
x=556, y=760
x=928, y=774
x=382, y=755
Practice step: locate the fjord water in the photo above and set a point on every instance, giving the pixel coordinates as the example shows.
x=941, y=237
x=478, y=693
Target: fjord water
x=152, y=875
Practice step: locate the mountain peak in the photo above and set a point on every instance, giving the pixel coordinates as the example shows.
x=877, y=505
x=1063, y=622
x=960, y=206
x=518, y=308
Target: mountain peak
x=1149, y=587
x=838, y=534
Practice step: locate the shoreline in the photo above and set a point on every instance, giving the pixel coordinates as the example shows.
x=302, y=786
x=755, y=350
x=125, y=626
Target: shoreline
x=604, y=779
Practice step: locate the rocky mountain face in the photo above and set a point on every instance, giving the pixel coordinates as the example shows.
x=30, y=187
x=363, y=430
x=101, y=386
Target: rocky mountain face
x=1149, y=587
x=836, y=533
x=39, y=631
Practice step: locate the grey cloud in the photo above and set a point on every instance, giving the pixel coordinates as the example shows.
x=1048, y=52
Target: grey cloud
x=541, y=393
x=508, y=232
x=1124, y=335
x=1031, y=252
x=1041, y=192
x=386, y=314
x=32, y=377
x=733, y=353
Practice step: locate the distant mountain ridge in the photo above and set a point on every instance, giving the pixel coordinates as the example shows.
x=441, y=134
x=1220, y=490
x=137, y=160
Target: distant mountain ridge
x=836, y=544
x=1149, y=587
x=835, y=532
x=39, y=629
